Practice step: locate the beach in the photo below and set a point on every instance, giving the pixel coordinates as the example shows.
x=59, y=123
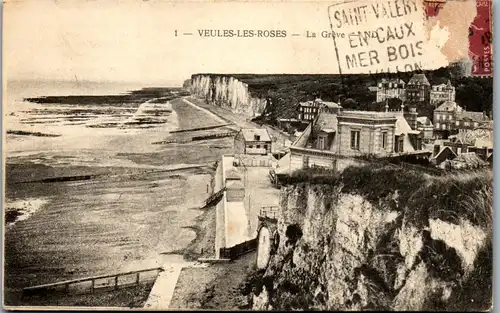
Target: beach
x=104, y=201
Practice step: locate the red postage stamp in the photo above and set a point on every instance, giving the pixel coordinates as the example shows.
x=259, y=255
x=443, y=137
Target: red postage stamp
x=480, y=34
x=481, y=39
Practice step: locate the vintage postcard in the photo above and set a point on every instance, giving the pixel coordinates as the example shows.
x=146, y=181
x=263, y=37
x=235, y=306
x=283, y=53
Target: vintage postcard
x=248, y=155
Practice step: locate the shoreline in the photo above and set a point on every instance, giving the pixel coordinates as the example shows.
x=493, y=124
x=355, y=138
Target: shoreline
x=22, y=169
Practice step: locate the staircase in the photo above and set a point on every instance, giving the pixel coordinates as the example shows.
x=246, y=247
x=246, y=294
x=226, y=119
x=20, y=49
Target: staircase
x=215, y=198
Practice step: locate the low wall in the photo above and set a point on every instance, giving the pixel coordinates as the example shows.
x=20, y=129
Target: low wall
x=239, y=249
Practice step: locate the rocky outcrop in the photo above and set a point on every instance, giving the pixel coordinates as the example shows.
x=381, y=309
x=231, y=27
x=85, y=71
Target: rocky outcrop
x=227, y=91
x=409, y=242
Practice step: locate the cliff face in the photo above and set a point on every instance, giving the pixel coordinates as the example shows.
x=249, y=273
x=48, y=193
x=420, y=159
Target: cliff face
x=227, y=91
x=381, y=239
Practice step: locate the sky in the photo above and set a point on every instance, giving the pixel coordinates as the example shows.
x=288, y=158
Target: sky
x=134, y=40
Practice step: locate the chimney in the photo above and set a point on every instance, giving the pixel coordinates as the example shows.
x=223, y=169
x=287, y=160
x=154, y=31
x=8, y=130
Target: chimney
x=411, y=118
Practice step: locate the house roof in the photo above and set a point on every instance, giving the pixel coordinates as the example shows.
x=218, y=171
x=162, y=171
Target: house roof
x=476, y=137
x=394, y=81
x=402, y=127
x=470, y=158
x=332, y=105
x=472, y=116
x=327, y=121
x=448, y=84
x=449, y=106
x=424, y=120
x=444, y=149
x=250, y=133
x=419, y=79
x=232, y=174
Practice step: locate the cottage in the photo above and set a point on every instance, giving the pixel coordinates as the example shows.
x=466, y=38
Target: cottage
x=442, y=155
x=253, y=141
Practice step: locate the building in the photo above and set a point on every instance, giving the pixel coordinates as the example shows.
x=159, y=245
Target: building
x=392, y=88
x=467, y=160
x=450, y=118
x=441, y=155
x=336, y=140
x=418, y=89
x=309, y=110
x=442, y=93
x=424, y=125
x=253, y=141
x=364, y=132
x=470, y=120
x=445, y=117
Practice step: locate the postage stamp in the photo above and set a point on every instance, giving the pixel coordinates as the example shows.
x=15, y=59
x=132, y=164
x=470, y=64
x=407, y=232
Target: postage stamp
x=481, y=39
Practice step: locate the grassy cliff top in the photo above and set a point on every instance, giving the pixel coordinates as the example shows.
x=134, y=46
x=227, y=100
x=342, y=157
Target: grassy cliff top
x=464, y=195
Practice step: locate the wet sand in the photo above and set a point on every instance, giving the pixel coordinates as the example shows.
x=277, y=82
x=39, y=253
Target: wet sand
x=125, y=219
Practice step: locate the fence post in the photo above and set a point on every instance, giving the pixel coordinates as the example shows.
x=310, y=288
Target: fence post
x=137, y=278
x=116, y=282
x=92, y=285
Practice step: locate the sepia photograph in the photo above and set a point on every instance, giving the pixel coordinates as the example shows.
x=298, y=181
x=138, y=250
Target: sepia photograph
x=246, y=155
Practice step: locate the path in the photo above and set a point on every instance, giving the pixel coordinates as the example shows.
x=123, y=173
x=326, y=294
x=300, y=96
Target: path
x=238, y=120
x=163, y=289
x=205, y=110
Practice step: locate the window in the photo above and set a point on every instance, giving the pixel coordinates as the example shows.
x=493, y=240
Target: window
x=250, y=146
x=457, y=123
x=355, y=139
x=305, y=160
x=265, y=147
x=466, y=123
x=476, y=124
x=258, y=146
x=321, y=143
x=384, y=140
x=256, y=137
x=399, y=144
x=437, y=125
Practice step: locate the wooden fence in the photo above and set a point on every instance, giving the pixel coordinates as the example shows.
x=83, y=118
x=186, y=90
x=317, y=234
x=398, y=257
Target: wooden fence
x=238, y=250
x=95, y=283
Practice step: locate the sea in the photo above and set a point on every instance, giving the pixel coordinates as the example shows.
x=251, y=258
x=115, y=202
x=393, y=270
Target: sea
x=130, y=215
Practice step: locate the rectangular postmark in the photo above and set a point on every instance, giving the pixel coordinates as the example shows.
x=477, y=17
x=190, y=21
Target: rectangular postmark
x=382, y=36
x=481, y=39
